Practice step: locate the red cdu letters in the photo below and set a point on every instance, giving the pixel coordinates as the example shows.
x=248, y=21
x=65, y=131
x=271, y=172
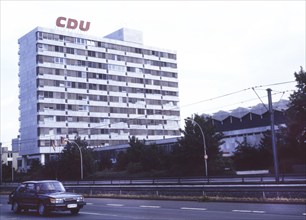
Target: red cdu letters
x=72, y=23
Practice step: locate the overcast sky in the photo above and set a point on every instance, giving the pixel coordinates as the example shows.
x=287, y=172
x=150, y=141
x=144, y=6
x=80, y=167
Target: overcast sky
x=222, y=46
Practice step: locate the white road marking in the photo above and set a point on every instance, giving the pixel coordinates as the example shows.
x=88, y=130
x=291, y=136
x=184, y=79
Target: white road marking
x=248, y=211
x=93, y=213
x=149, y=206
x=198, y=209
x=235, y=210
x=261, y=212
x=304, y=213
x=88, y=203
x=117, y=205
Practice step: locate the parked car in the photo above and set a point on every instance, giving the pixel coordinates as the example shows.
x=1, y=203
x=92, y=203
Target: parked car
x=45, y=196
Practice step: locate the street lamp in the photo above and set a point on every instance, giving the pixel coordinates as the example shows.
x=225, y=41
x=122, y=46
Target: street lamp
x=204, y=145
x=63, y=141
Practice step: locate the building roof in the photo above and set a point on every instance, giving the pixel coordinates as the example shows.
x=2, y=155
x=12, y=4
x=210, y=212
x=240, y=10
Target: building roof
x=258, y=109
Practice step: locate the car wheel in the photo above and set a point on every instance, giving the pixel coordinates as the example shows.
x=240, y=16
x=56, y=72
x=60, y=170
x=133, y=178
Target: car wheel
x=16, y=208
x=42, y=209
x=74, y=211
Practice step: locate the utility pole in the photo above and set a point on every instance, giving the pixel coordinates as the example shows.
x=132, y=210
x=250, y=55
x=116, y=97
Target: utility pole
x=275, y=158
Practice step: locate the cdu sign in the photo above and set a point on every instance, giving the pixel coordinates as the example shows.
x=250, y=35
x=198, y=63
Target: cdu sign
x=72, y=24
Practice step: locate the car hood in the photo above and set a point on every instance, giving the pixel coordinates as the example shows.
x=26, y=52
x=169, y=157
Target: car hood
x=61, y=195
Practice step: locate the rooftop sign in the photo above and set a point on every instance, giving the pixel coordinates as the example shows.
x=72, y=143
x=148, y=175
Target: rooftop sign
x=72, y=24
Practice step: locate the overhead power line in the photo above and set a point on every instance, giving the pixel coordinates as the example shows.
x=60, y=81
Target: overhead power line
x=232, y=93
x=177, y=107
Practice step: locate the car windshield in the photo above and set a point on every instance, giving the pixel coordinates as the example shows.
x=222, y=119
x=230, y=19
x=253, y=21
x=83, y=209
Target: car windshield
x=50, y=187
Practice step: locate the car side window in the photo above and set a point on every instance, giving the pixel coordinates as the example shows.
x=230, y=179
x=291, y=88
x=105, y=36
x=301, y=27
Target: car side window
x=21, y=189
x=40, y=187
x=30, y=187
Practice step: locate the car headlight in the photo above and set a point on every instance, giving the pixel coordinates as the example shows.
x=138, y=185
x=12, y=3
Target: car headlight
x=80, y=199
x=53, y=200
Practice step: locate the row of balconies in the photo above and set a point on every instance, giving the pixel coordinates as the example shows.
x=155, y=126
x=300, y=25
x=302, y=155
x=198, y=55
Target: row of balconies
x=63, y=64
x=101, y=49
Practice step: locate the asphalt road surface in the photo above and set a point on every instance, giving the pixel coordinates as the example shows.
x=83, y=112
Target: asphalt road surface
x=131, y=209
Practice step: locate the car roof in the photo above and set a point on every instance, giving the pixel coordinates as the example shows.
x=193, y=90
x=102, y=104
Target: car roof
x=40, y=181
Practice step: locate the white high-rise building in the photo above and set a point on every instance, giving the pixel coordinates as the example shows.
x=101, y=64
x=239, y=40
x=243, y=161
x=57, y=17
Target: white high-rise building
x=102, y=89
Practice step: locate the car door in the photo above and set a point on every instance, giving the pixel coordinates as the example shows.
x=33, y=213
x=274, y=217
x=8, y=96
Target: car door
x=18, y=196
x=30, y=196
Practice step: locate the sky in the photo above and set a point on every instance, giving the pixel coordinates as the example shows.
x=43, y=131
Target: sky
x=228, y=52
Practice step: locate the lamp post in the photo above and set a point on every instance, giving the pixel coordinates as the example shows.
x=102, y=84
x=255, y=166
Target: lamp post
x=63, y=140
x=204, y=145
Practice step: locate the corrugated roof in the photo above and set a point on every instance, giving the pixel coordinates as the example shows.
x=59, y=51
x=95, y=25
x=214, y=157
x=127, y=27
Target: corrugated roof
x=258, y=109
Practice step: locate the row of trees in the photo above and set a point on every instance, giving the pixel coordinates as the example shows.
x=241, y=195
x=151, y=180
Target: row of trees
x=187, y=157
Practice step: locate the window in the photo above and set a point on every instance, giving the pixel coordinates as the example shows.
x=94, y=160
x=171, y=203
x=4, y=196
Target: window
x=80, y=52
x=39, y=35
x=91, y=53
x=60, y=106
x=150, y=111
x=59, y=60
x=104, y=131
x=59, y=49
x=82, y=85
x=69, y=50
x=91, y=43
x=140, y=111
x=60, y=118
x=30, y=187
x=79, y=41
x=103, y=87
x=116, y=68
x=48, y=94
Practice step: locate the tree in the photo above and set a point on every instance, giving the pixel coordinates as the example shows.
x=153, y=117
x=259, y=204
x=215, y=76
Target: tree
x=36, y=169
x=248, y=157
x=189, y=156
x=122, y=161
x=295, y=136
x=69, y=160
x=265, y=153
x=132, y=159
x=7, y=171
x=51, y=169
x=140, y=157
x=104, y=162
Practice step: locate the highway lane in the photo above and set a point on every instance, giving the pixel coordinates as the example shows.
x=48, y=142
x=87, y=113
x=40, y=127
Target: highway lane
x=131, y=209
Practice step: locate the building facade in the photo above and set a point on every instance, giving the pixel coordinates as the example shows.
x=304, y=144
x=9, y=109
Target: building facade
x=102, y=89
x=9, y=157
x=247, y=124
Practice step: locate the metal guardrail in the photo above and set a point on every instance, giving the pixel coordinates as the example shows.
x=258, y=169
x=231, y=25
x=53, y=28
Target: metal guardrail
x=238, y=179
x=261, y=191
x=198, y=180
x=237, y=187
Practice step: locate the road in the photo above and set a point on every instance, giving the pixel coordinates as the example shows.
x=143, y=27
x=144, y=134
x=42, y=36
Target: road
x=131, y=209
